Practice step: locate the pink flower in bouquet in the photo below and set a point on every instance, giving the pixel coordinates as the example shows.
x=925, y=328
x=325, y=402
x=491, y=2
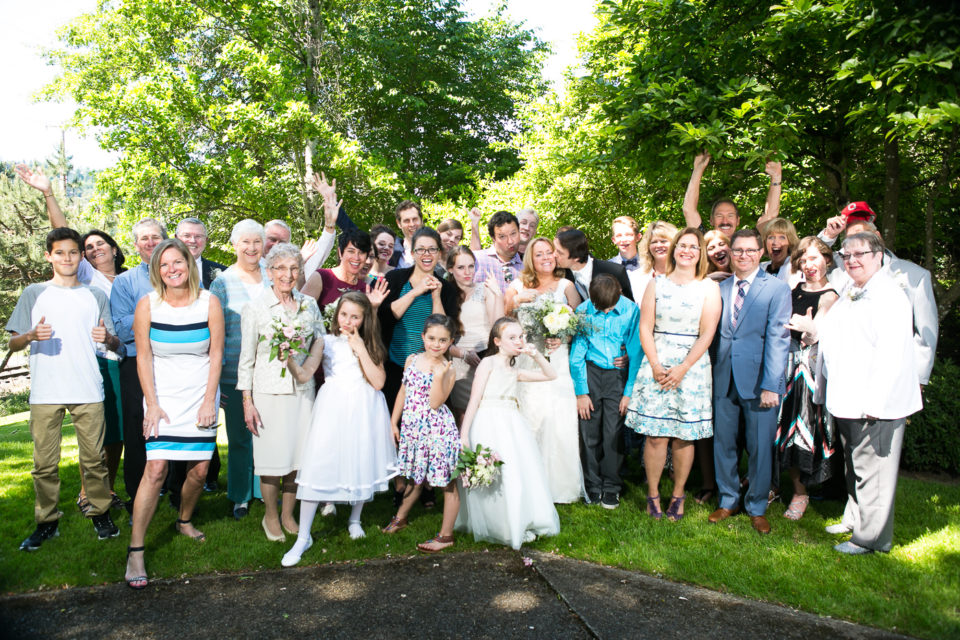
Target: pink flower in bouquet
x=289, y=332
x=284, y=346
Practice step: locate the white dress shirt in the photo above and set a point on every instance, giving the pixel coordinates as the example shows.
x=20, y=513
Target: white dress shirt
x=868, y=352
x=583, y=277
x=736, y=285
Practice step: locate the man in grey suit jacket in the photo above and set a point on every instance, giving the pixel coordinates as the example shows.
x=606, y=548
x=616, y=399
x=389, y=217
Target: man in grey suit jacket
x=914, y=280
x=749, y=374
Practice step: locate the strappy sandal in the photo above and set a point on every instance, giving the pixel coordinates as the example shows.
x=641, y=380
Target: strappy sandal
x=673, y=511
x=447, y=541
x=135, y=582
x=798, y=506
x=653, y=507
x=83, y=504
x=200, y=537
x=396, y=524
x=705, y=495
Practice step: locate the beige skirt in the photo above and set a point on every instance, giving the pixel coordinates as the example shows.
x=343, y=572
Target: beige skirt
x=286, y=421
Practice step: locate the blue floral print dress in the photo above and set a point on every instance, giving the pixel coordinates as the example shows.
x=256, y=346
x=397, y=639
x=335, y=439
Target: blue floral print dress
x=429, y=438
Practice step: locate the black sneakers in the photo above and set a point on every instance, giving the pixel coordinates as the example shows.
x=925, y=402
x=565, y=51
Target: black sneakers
x=41, y=534
x=610, y=500
x=104, y=526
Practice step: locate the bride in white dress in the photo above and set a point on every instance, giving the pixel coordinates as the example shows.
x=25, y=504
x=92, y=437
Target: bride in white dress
x=550, y=407
x=517, y=506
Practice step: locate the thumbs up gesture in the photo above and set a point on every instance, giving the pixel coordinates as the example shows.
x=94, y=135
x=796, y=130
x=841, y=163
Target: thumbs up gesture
x=805, y=325
x=42, y=331
x=99, y=332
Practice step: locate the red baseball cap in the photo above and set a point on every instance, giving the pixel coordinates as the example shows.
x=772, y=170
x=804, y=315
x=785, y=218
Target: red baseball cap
x=858, y=211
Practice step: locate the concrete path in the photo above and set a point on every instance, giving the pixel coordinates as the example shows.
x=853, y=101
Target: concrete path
x=455, y=595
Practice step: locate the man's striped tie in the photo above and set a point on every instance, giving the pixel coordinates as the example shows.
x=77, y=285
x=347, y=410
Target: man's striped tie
x=738, y=303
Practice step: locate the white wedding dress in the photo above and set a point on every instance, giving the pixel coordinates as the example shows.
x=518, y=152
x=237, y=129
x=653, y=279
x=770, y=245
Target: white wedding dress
x=517, y=506
x=551, y=409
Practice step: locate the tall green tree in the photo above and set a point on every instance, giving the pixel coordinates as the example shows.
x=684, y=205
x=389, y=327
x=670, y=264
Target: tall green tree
x=857, y=97
x=224, y=109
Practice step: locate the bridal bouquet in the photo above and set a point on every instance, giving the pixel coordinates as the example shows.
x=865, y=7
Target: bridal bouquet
x=546, y=318
x=477, y=467
x=285, y=339
x=327, y=313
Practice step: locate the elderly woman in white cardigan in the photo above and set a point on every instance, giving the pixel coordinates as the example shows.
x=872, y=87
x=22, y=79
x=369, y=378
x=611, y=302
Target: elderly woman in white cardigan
x=866, y=344
x=276, y=408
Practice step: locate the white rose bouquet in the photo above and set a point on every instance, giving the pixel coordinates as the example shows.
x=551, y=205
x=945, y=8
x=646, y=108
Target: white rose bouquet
x=546, y=318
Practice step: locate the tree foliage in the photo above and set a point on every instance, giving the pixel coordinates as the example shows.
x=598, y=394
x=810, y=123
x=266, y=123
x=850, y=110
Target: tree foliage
x=223, y=109
x=858, y=99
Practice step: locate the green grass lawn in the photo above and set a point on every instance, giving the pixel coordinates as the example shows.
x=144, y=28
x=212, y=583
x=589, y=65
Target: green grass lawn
x=915, y=589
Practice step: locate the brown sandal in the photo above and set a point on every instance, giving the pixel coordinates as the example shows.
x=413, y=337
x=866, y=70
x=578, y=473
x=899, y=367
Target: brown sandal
x=448, y=541
x=396, y=524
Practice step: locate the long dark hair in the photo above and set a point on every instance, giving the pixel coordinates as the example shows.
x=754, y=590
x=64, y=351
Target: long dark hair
x=369, y=330
x=496, y=331
x=118, y=259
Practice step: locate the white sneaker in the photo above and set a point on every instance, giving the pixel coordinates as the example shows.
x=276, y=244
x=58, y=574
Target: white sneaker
x=852, y=549
x=292, y=558
x=328, y=509
x=837, y=529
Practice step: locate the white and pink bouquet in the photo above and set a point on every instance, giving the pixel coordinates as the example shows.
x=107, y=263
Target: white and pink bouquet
x=285, y=339
x=477, y=467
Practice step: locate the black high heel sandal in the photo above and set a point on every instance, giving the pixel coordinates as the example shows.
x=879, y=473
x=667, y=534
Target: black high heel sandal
x=134, y=583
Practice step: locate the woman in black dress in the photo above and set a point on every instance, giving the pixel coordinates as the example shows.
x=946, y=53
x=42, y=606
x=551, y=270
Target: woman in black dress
x=805, y=433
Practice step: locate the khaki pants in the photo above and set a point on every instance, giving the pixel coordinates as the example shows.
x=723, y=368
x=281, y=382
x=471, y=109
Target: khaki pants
x=46, y=427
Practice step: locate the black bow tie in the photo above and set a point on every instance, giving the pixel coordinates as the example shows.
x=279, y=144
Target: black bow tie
x=632, y=262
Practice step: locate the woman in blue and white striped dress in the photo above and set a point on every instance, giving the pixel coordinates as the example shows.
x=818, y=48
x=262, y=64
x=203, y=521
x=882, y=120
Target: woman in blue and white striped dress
x=179, y=332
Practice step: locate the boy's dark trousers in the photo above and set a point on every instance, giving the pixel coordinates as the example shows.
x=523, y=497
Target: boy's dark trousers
x=601, y=450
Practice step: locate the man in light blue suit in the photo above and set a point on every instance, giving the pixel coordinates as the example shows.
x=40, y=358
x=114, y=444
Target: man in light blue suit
x=749, y=374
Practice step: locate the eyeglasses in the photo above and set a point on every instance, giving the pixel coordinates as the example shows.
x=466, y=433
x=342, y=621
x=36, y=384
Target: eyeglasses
x=426, y=251
x=688, y=247
x=749, y=252
x=847, y=257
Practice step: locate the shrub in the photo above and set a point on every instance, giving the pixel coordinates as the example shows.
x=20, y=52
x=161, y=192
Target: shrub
x=932, y=441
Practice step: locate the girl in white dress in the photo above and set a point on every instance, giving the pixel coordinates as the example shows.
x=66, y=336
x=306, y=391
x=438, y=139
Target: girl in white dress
x=517, y=507
x=550, y=408
x=349, y=453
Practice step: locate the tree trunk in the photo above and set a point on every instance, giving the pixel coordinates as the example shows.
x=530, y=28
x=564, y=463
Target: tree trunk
x=891, y=194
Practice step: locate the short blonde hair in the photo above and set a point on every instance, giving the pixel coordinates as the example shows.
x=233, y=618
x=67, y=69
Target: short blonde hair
x=628, y=221
x=784, y=226
x=656, y=229
x=193, y=274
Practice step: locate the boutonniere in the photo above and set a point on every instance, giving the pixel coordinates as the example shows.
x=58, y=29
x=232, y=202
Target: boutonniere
x=855, y=293
x=900, y=277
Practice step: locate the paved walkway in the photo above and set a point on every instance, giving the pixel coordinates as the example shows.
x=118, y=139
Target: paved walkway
x=456, y=595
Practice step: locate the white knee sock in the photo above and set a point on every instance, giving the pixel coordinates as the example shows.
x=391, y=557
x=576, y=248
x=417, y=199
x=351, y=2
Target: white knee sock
x=308, y=509
x=356, y=531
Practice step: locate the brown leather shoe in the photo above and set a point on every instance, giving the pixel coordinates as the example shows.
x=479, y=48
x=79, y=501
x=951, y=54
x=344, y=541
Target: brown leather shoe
x=760, y=524
x=722, y=514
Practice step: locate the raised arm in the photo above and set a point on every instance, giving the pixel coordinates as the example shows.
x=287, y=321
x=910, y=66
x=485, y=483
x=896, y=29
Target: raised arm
x=42, y=184
x=442, y=384
x=547, y=372
x=691, y=198
x=771, y=209
x=475, y=244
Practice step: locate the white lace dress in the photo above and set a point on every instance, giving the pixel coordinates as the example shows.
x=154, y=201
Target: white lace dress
x=551, y=409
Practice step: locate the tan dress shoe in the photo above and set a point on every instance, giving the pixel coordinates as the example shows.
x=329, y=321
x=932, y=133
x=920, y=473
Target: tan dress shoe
x=722, y=514
x=760, y=524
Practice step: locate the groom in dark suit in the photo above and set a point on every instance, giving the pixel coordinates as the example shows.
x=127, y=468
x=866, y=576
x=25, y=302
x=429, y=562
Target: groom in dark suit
x=749, y=374
x=573, y=256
